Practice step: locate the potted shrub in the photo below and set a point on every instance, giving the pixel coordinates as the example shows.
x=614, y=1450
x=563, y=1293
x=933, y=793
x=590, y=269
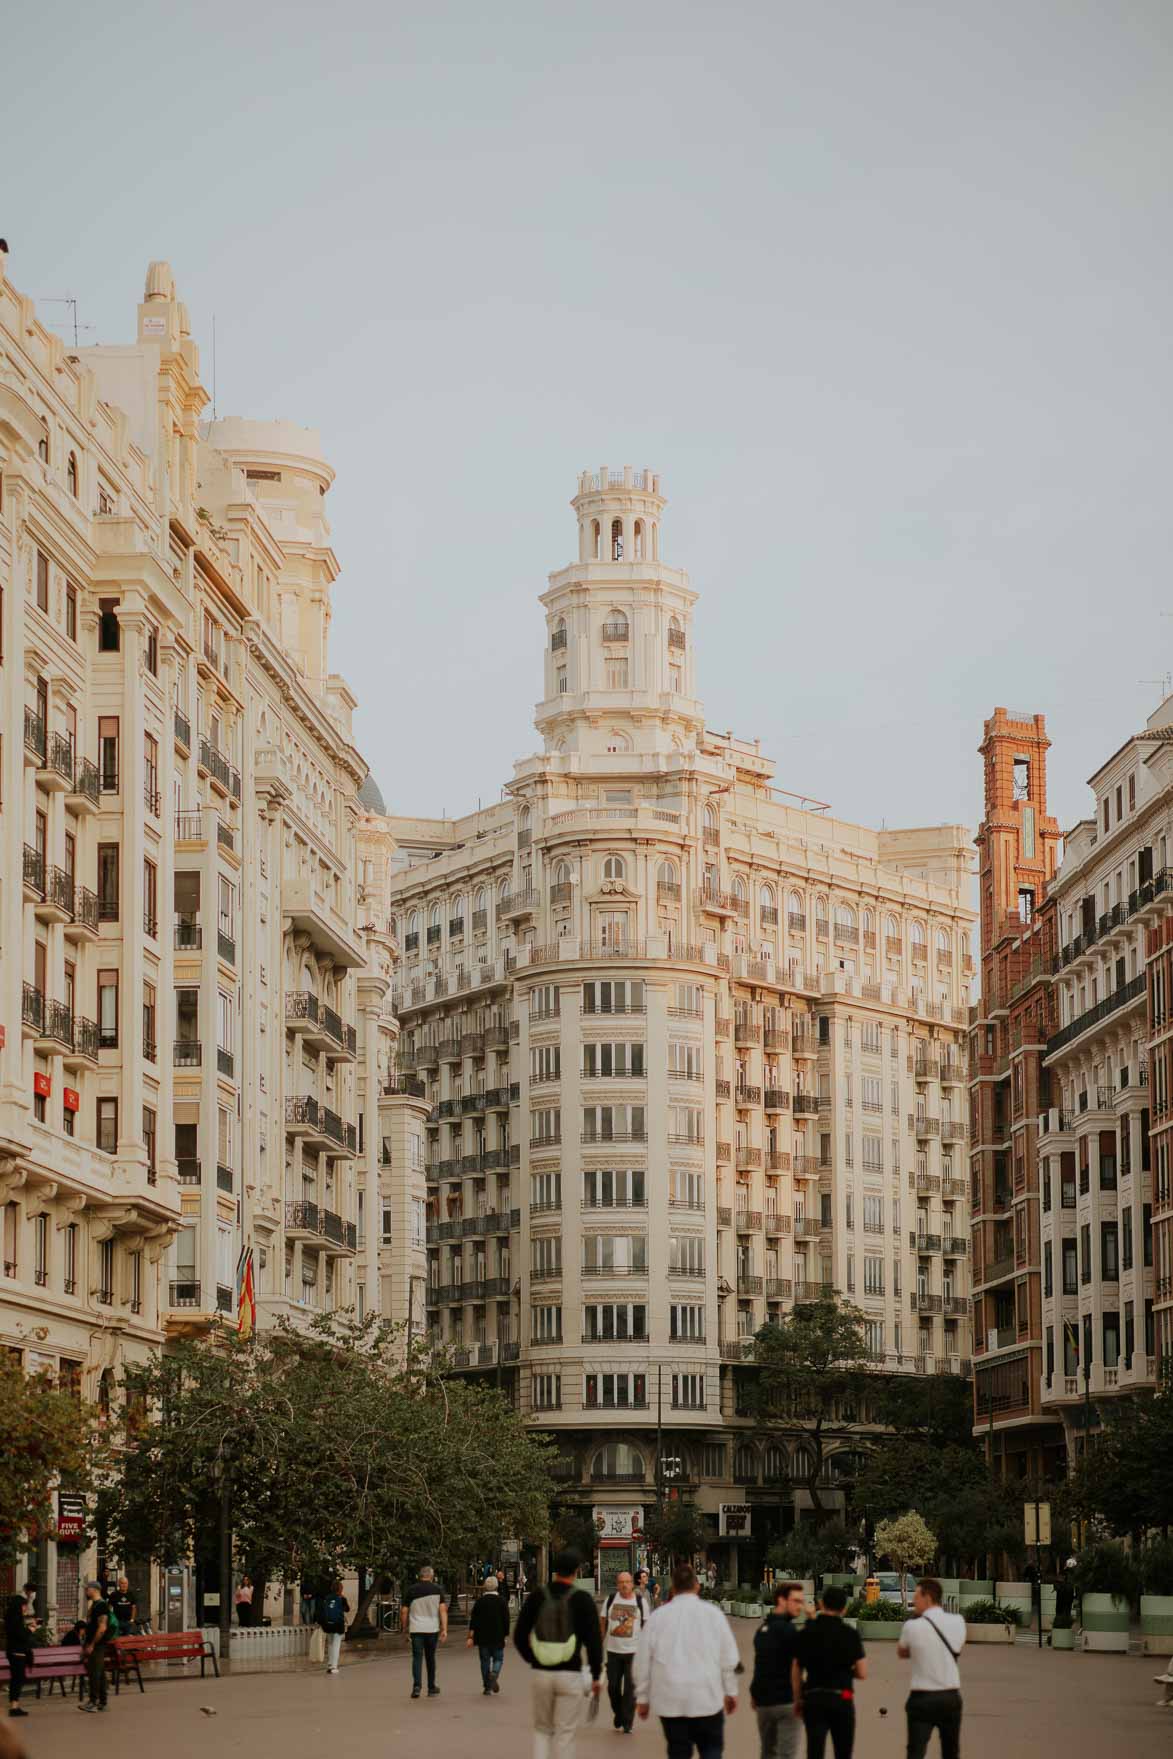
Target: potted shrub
x=1062, y=1631
x=1105, y=1579
x=881, y=1622
x=1156, y=1597
x=987, y=1621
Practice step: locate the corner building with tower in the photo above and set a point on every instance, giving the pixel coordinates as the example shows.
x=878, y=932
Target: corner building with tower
x=692, y=1050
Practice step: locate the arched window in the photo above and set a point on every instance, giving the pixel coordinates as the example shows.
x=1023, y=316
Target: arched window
x=456, y=914
x=524, y=819
x=795, y=908
x=617, y=540
x=614, y=868
x=638, y=540
x=869, y=926
x=480, y=900
x=558, y=637
x=775, y=1465
x=502, y=891
x=596, y=539
x=820, y=915
x=802, y=1464
x=712, y=823
x=71, y=474
x=745, y=1464
x=845, y=923
x=617, y=741
x=916, y=939
x=943, y=945
x=675, y=634
x=562, y=874
x=434, y=916
x=666, y=874
x=615, y=625
x=413, y=929
x=965, y=945
x=394, y=927
x=892, y=934
x=740, y=894
x=43, y=443
x=767, y=898
x=618, y=1460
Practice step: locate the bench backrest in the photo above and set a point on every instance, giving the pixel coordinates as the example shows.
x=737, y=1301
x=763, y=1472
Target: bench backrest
x=166, y=1643
x=62, y=1652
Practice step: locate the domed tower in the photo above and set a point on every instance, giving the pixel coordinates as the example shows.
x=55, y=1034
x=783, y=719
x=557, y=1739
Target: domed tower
x=619, y=654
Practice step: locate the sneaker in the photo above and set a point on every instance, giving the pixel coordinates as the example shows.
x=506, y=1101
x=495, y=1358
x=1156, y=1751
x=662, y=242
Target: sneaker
x=88, y=1708
x=433, y=1691
x=496, y=1685
x=415, y=1691
x=486, y=1691
x=17, y=1711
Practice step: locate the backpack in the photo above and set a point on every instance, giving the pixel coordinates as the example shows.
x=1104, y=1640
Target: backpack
x=333, y=1619
x=554, y=1640
x=113, y=1628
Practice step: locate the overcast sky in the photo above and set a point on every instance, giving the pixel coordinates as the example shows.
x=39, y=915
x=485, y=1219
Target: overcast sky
x=881, y=289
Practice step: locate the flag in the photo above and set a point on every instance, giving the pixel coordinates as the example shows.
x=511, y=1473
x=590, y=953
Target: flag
x=246, y=1296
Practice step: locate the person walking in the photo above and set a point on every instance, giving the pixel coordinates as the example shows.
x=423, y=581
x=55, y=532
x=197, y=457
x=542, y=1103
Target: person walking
x=18, y=1651
x=244, y=1601
x=558, y=1636
x=123, y=1606
x=771, y=1690
x=625, y=1613
x=488, y=1627
x=93, y=1650
x=332, y=1618
x=828, y=1659
x=933, y=1642
x=424, y=1616
x=686, y=1667
x=648, y=1587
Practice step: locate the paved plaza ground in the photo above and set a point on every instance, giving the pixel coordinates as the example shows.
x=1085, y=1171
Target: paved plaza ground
x=1019, y=1704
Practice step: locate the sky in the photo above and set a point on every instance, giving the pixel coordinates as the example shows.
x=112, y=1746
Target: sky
x=880, y=288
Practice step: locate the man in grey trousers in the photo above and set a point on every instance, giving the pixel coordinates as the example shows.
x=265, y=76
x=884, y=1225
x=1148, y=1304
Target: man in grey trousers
x=771, y=1691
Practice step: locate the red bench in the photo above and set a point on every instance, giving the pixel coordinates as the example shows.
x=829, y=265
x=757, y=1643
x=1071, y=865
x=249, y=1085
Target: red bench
x=127, y=1654
x=49, y=1664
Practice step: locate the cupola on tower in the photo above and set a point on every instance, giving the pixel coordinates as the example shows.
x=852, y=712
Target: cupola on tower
x=619, y=653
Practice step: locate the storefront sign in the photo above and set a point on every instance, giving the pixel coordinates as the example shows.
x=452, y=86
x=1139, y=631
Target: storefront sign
x=71, y=1099
x=617, y=1523
x=42, y=1085
x=71, y=1516
x=733, y=1520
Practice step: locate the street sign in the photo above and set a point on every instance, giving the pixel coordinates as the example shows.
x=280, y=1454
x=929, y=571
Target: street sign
x=1036, y=1521
x=733, y=1520
x=71, y=1516
x=617, y=1523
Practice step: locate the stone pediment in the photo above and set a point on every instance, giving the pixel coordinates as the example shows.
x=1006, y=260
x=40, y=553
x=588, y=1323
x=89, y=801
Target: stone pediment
x=614, y=891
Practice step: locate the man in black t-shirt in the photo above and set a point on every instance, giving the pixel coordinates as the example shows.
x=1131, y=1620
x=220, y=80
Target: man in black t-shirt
x=93, y=1650
x=122, y=1605
x=828, y=1659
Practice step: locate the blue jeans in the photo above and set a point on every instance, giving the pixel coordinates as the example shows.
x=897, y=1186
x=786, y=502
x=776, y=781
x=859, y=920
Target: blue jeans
x=492, y=1661
x=423, y=1648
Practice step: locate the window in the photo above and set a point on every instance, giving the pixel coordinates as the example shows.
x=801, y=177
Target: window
x=687, y=1189
x=621, y=1061
x=108, y=1126
x=545, y=1063
x=605, y=1321
x=149, y=1047
x=614, y=1252
x=545, y=1191
x=1126, y=1237
x=153, y=649
x=685, y=1061
x=70, y=1264
x=109, y=634
x=614, y=1188
x=546, y=1256
x=42, y=581
x=71, y=474
x=108, y=753
x=686, y=1321
x=150, y=897
x=543, y=1002
x=1070, y=1270
x=873, y=1276
x=614, y=868
x=108, y=1010
x=607, y=997
x=151, y=773
x=688, y=1392
x=873, y=1215
x=614, y=1123
x=1109, y=1252
x=547, y=1392
x=41, y=1249
x=149, y=1140
x=615, y=1391
x=546, y=1126
x=686, y=1254
x=43, y=443
x=71, y=610
x=546, y=1325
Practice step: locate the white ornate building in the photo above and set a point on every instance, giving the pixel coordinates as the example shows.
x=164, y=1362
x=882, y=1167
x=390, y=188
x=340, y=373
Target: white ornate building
x=691, y=1049
x=195, y=1014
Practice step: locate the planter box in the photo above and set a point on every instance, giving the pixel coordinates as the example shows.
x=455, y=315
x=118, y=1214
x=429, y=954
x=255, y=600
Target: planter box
x=1156, y=1623
x=990, y=1633
x=885, y=1631
x=1063, y=1639
x=970, y=1591
x=1105, y=1624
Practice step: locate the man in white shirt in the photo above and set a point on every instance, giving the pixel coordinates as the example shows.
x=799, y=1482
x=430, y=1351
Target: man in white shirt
x=686, y=1670
x=625, y=1613
x=933, y=1641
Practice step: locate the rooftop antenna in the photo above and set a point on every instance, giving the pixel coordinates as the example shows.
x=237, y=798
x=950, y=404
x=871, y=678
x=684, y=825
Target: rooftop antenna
x=1164, y=685
x=69, y=300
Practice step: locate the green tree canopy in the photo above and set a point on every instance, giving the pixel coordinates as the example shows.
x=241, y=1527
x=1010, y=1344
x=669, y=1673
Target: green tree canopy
x=814, y=1366
x=337, y=1456
x=47, y=1438
x=1125, y=1478
x=675, y=1530
x=909, y=1541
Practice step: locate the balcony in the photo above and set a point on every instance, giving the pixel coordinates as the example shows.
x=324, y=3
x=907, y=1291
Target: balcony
x=737, y=1349
x=777, y=1099
x=616, y=631
x=187, y=1053
x=749, y=1285
x=748, y=1096
x=83, y=922
x=188, y=933
x=34, y=738
x=34, y=873
x=225, y=947
x=998, y=1269
x=85, y=1042
x=724, y=1217
x=924, y=1127
x=808, y=1227
x=777, y=1160
x=924, y=1068
x=190, y=1170
x=919, y=1303
x=56, y=769
x=184, y=1294
x=32, y=1010
x=748, y=1220
x=1121, y=998
x=957, y=1306
x=518, y=904
x=806, y=1104
x=182, y=730
x=954, y=1245
x=716, y=903
x=224, y=1178
x=56, y=904
x=927, y=1184
x=779, y=1288
x=308, y=911
x=225, y=1063
x=748, y=1157
x=924, y=1242
x=82, y=795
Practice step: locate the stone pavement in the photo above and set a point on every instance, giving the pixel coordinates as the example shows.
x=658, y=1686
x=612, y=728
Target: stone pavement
x=1020, y=1704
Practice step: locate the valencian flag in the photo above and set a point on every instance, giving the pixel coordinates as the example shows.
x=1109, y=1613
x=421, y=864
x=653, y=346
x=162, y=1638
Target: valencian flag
x=246, y=1294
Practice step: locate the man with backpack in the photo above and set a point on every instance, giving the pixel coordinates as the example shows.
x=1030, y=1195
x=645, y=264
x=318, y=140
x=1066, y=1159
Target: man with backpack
x=625, y=1614
x=558, y=1635
x=933, y=1642
x=332, y=1617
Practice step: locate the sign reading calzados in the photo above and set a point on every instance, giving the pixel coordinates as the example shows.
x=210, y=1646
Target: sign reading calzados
x=733, y=1520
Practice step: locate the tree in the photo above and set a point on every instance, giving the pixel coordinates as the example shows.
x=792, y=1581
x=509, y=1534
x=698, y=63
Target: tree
x=1125, y=1477
x=909, y=1541
x=811, y=1551
x=813, y=1370
x=338, y=1454
x=50, y=1439
x=935, y=1408
x=675, y=1530
x=899, y=1472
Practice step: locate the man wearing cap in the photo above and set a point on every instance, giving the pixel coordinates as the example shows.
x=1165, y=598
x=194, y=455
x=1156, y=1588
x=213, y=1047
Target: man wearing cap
x=93, y=1650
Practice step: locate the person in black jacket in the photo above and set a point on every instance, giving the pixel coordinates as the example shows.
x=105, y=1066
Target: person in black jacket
x=18, y=1649
x=557, y=1683
x=488, y=1627
x=771, y=1690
